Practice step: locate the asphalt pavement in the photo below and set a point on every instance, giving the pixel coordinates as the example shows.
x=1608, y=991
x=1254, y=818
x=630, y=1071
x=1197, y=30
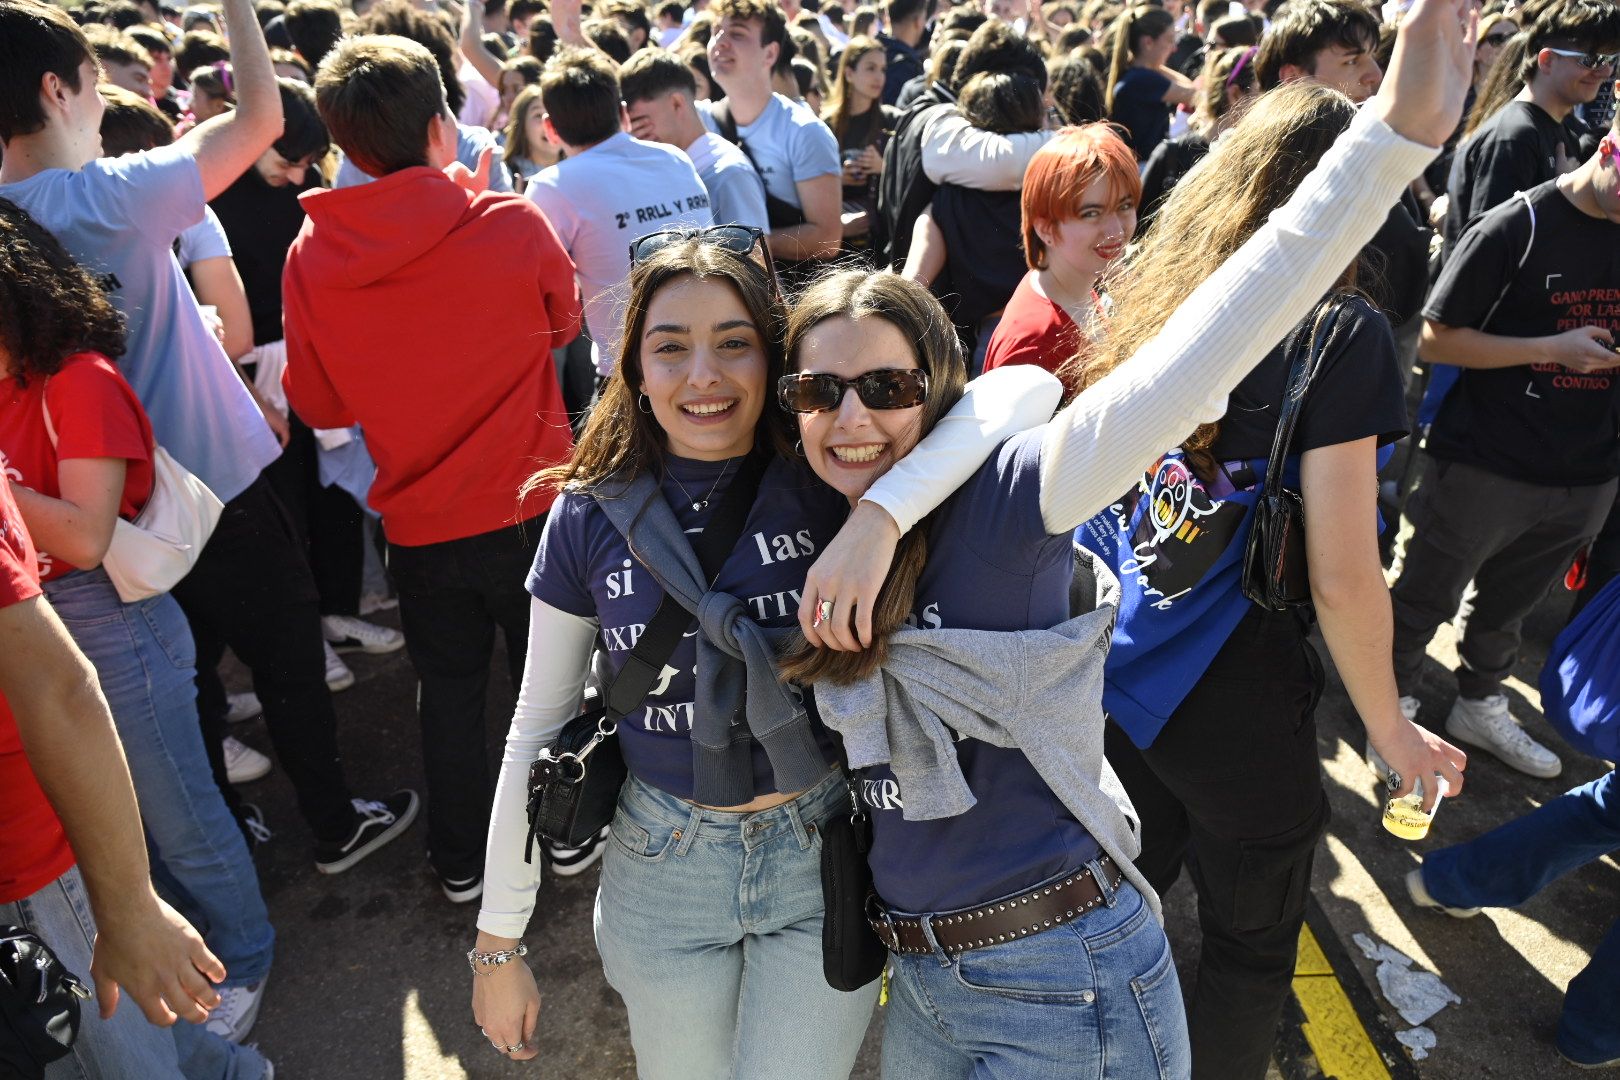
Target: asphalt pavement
x=370, y=981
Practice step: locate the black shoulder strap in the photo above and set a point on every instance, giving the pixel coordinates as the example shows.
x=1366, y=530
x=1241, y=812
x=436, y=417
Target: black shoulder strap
x=721, y=113
x=657, y=642
x=1306, y=346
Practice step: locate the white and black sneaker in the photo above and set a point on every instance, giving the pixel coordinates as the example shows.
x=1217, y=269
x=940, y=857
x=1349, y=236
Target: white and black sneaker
x=568, y=861
x=376, y=823
x=462, y=890
x=348, y=634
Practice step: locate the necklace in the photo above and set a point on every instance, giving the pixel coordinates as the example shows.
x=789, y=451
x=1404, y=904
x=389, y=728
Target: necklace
x=700, y=504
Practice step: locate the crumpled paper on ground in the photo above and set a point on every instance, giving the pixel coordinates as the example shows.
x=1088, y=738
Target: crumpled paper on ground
x=1415, y=993
x=1419, y=1040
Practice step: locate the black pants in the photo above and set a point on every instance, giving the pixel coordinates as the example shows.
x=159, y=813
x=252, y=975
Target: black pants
x=251, y=589
x=328, y=521
x=452, y=596
x=1233, y=787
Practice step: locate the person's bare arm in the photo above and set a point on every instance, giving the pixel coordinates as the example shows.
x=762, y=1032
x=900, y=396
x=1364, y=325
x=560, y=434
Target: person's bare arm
x=142, y=944
x=823, y=226
x=926, y=256
x=1585, y=349
x=216, y=281
x=472, y=44
x=1181, y=89
x=228, y=145
x=77, y=527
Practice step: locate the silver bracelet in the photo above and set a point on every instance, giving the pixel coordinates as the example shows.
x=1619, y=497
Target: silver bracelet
x=494, y=959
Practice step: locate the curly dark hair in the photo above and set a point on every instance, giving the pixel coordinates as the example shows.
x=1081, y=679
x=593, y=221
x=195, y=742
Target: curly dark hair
x=50, y=307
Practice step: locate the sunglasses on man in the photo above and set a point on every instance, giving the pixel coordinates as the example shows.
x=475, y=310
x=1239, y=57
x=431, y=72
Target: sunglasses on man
x=886, y=388
x=1590, y=61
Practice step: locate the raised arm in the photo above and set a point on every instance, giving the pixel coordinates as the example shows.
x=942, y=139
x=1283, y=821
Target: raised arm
x=228, y=145
x=1099, y=445
x=472, y=44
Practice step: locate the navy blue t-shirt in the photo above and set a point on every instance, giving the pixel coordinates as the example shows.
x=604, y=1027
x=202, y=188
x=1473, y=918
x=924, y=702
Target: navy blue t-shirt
x=1140, y=109
x=991, y=566
x=584, y=567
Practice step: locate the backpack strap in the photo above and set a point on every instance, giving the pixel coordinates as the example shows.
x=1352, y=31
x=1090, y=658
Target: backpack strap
x=1531, y=243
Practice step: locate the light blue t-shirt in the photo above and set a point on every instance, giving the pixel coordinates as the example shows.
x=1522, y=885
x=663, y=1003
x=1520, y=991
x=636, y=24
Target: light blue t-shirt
x=120, y=218
x=787, y=144
x=204, y=240
x=470, y=142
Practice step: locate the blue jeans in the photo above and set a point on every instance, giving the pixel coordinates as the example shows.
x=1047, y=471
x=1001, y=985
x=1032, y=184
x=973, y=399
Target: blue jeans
x=709, y=926
x=1513, y=862
x=1097, y=998
x=125, y=1047
x=144, y=659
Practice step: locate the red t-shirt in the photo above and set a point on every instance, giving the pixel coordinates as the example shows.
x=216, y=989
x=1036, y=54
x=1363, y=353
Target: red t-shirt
x=33, y=849
x=1033, y=330
x=95, y=414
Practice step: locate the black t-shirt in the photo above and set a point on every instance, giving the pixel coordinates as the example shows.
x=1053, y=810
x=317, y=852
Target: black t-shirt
x=1539, y=423
x=984, y=257
x=1514, y=151
x=1356, y=394
x=261, y=222
x=1169, y=162
x=1139, y=107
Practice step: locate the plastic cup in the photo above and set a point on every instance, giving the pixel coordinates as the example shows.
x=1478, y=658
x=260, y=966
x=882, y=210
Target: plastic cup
x=1405, y=817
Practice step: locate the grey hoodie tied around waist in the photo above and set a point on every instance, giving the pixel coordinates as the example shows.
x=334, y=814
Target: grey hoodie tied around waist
x=1037, y=690
x=740, y=696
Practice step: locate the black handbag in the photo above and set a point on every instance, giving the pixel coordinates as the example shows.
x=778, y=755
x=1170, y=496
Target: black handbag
x=39, y=1005
x=851, y=954
x=1275, y=572
x=574, y=783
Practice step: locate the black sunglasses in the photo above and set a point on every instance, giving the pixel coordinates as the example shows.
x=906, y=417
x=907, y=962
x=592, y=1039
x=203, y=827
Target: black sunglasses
x=1496, y=39
x=738, y=238
x=887, y=388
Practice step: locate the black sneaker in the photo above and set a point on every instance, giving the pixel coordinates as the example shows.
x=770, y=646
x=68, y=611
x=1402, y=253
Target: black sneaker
x=462, y=890
x=568, y=861
x=376, y=823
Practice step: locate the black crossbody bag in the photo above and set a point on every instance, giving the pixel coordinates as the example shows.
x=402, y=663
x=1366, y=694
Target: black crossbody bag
x=1275, y=573
x=574, y=783
x=39, y=1004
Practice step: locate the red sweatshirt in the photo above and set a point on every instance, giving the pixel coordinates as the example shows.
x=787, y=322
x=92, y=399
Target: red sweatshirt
x=427, y=315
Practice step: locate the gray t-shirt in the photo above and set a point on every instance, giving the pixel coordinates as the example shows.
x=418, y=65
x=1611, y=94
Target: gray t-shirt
x=736, y=193
x=788, y=144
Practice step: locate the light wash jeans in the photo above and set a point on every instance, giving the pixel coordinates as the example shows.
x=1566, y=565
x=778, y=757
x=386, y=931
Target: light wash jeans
x=709, y=926
x=125, y=1047
x=1096, y=998
x=1511, y=863
x=145, y=661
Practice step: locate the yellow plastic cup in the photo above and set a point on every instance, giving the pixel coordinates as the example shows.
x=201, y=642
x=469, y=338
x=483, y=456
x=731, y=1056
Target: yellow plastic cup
x=1405, y=817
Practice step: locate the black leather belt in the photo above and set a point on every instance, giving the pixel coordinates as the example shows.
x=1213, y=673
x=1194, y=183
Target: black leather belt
x=1029, y=913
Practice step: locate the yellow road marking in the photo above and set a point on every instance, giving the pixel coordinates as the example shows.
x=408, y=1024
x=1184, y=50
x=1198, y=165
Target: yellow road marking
x=1335, y=1034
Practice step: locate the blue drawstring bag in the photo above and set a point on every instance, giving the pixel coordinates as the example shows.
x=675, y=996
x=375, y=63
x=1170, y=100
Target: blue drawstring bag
x=1580, y=686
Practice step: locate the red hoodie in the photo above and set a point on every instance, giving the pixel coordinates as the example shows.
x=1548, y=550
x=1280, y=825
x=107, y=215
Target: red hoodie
x=427, y=315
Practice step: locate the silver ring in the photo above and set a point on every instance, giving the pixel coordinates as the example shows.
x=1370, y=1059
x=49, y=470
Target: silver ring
x=823, y=612
x=513, y=1049
x=1393, y=780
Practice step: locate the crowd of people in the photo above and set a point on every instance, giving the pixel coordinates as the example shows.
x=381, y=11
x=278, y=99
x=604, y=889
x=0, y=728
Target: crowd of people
x=903, y=391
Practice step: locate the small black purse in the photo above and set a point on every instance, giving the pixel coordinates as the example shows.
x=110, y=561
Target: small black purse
x=574, y=783
x=39, y=1005
x=1275, y=572
x=851, y=954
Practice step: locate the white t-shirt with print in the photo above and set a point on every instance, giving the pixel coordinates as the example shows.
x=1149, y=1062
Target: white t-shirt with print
x=600, y=200
x=788, y=144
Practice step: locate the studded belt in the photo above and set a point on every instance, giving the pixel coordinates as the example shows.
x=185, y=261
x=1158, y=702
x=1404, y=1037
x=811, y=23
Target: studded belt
x=1020, y=916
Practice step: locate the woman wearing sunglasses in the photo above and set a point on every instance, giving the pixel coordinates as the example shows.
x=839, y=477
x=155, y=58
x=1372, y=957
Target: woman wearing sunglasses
x=710, y=910
x=1024, y=942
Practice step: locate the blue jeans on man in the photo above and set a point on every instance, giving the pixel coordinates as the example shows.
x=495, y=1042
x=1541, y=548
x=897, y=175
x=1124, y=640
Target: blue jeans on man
x=1513, y=862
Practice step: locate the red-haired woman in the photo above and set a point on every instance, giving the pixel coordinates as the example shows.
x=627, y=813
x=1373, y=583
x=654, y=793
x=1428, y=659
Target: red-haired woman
x=1079, y=205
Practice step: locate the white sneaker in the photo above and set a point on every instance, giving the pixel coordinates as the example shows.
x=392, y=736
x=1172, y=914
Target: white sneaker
x=240, y=707
x=1486, y=724
x=1419, y=893
x=567, y=861
x=371, y=603
x=238, y=1007
x=243, y=764
x=338, y=675
x=348, y=634
x=1410, y=706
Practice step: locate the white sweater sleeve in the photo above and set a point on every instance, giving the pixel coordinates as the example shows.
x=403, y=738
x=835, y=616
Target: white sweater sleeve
x=553, y=681
x=1097, y=447
x=995, y=406
x=956, y=152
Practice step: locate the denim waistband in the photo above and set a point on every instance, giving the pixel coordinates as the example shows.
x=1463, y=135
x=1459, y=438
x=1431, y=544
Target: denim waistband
x=78, y=581
x=642, y=802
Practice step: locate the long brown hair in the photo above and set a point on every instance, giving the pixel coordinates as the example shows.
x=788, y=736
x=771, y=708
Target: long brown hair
x=1502, y=83
x=1251, y=171
x=1133, y=24
x=913, y=310
x=620, y=438
x=836, y=113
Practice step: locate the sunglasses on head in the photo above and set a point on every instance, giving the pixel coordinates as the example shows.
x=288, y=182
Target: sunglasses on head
x=1591, y=61
x=738, y=238
x=887, y=388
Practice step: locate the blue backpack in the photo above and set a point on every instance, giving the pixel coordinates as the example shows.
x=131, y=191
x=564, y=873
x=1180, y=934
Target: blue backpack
x=1580, y=686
